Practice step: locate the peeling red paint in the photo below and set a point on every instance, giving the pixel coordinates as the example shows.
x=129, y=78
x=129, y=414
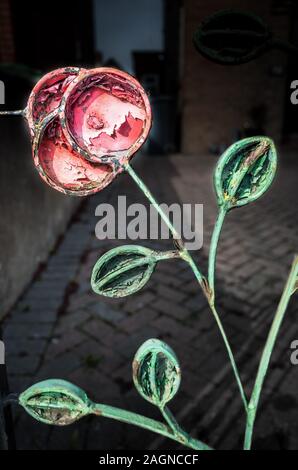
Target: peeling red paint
x=85, y=124
x=106, y=113
x=47, y=93
x=64, y=169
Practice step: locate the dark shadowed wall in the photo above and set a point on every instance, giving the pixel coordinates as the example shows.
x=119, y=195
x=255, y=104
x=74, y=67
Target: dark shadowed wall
x=33, y=215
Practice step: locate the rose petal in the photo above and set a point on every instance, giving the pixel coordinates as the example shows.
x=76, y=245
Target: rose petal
x=63, y=168
x=47, y=93
x=106, y=113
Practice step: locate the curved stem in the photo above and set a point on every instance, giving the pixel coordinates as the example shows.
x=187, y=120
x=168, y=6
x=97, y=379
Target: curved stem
x=176, y=236
x=17, y=112
x=145, y=423
x=213, y=248
x=164, y=255
x=211, y=275
x=288, y=291
x=171, y=420
x=181, y=435
x=188, y=258
x=152, y=200
x=231, y=356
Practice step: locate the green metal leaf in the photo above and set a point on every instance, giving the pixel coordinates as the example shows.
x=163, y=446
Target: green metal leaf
x=55, y=402
x=156, y=372
x=123, y=270
x=232, y=37
x=245, y=171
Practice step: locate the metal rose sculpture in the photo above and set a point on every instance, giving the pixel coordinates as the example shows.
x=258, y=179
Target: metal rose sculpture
x=85, y=126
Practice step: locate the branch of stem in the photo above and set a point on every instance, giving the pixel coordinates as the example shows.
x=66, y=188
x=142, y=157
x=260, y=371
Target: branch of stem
x=176, y=236
x=231, y=356
x=188, y=258
x=288, y=291
x=213, y=249
x=17, y=112
x=145, y=423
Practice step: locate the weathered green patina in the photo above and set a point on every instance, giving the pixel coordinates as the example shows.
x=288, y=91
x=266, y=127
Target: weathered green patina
x=55, y=402
x=126, y=269
x=289, y=290
x=156, y=372
x=243, y=174
x=60, y=403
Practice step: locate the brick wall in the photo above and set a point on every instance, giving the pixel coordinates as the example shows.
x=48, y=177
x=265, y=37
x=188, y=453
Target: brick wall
x=6, y=34
x=216, y=99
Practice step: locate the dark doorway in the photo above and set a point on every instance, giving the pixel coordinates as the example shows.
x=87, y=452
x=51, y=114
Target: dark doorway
x=143, y=38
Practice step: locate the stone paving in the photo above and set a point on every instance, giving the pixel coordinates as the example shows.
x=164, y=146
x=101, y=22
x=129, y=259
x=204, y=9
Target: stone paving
x=60, y=328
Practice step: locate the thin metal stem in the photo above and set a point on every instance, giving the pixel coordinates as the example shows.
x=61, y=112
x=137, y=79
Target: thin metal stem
x=181, y=435
x=145, y=423
x=152, y=200
x=17, y=112
x=171, y=420
x=176, y=236
x=211, y=277
x=163, y=255
x=289, y=289
x=213, y=248
x=231, y=356
x=188, y=258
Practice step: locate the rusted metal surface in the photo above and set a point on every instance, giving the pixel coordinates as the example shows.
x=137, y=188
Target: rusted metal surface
x=63, y=168
x=85, y=127
x=156, y=372
x=60, y=403
x=126, y=269
x=245, y=171
x=55, y=402
x=47, y=94
x=106, y=113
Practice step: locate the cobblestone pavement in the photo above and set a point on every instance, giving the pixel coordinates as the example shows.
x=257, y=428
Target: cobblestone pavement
x=60, y=328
